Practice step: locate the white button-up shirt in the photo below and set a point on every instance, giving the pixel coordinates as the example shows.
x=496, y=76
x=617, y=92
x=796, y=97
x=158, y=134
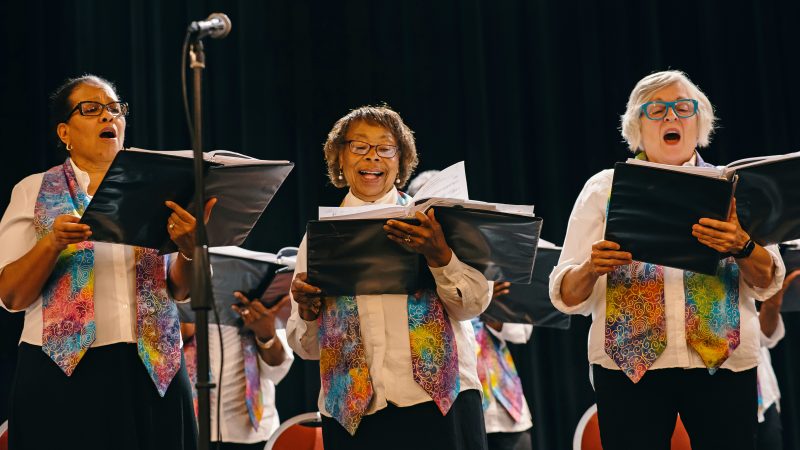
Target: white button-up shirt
x=464, y=292
x=236, y=425
x=497, y=419
x=114, y=269
x=586, y=226
x=767, y=381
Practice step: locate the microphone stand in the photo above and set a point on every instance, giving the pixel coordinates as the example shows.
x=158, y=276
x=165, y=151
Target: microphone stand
x=202, y=297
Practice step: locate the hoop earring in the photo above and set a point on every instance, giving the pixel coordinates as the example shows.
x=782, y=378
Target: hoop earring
x=69, y=147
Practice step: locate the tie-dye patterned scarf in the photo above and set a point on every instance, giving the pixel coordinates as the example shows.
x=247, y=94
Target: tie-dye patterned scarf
x=344, y=372
x=497, y=372
x=68, y=295
x=635, y=328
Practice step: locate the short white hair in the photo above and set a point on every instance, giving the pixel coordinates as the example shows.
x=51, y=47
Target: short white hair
x=644, y=90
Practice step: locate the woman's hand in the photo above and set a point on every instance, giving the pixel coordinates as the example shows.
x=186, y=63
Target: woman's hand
x=724, y=237
x=257, y=317
x=605, y=257
x=308, y=297
x=181, y=226
x=776, y=300
x=427, y=238
x=67, y=230
x=500, y=289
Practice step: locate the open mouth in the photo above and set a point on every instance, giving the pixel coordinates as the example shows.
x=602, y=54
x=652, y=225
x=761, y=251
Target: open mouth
x=370, y=175
x=108, y=133
x=672, y=137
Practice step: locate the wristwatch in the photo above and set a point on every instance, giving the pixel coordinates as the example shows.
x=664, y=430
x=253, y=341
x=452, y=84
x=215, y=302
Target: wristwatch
x=265, y=345
x=748, y=248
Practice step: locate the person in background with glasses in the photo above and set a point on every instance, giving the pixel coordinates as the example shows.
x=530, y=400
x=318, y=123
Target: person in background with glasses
x=397, y=371
x=664, y=341
x=100, y=348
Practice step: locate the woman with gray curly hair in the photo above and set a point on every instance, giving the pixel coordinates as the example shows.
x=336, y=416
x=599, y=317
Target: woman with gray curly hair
x=395, y=369
x=664, y=341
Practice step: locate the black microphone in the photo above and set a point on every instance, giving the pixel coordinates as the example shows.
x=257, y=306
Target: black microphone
x=217, y=25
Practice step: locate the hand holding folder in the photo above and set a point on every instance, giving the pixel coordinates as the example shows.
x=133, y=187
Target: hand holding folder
x=256, y=275
x=653, y=207
x=129, y=205
x=349, y=253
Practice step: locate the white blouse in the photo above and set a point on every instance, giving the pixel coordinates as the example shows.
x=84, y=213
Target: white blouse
x=464, y=292
x=586, y=226
x=767, y=381
x=496, y=417
x=115, y=271
x=236, y=425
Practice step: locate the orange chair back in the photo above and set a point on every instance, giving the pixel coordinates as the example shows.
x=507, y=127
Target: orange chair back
x=299, y=437
x=589, y=430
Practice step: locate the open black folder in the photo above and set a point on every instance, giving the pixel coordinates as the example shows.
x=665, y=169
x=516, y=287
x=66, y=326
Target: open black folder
x=128, y=207
x=354, y=257
x=651, y=212
x=768, y=198
x=254, y=274
x=653, y=207
x=530, y=303
x=791, y=258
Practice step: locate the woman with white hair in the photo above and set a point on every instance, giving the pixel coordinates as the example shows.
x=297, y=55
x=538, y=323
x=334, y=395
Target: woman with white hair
x=664, y=341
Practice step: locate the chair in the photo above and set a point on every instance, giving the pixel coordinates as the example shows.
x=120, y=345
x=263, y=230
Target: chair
x=587, y=433
x=4, y=436
x=294, y=435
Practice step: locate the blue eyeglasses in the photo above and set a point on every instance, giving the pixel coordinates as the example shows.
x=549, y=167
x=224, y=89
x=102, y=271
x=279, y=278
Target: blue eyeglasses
x=657, y=110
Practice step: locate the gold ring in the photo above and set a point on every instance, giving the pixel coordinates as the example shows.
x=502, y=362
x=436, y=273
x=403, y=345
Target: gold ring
x=407, y=239
x=171, y=226
x=245, y=312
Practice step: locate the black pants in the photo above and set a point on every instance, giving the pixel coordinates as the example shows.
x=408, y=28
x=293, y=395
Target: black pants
x=718, y=411
x=770, y=431
x=417, y=427
x=510, y=441
x=109, y=402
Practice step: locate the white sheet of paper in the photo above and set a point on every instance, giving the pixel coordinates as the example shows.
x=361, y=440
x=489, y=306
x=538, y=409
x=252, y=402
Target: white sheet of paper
x=449, y=183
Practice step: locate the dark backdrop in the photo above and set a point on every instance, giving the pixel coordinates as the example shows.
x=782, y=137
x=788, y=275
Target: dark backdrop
x=528, y=93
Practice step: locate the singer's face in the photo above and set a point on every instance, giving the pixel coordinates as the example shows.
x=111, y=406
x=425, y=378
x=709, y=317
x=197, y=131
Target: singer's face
x=94, y=140
x=370, y=176
x=670, y=140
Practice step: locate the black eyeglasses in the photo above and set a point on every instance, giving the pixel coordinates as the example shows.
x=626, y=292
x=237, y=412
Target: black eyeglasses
x=362, y=148
x=90, y=108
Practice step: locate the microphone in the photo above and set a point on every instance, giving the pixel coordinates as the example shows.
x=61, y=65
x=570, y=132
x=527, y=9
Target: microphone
x=217, y=25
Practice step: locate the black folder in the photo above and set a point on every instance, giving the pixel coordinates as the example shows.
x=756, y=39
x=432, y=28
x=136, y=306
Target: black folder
x=791, y=298
x=251, y=277
x=128, y=207
x=530, y=303
x=651, y=212
x=768, y=200
x=354, y=257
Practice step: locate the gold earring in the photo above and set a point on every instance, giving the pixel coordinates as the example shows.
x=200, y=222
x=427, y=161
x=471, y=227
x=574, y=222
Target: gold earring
x=340, y=174
x=69, y=147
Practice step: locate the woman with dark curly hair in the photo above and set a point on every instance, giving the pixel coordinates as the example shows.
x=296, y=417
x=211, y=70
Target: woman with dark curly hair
x=395, y=369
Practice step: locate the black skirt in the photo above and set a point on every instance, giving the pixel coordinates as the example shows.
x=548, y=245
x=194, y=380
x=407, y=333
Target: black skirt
x=109, y=402
x=417, y=427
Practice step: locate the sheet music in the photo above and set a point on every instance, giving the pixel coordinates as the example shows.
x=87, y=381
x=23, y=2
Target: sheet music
x=758, y=160
x=449, y=183
x=710, y=172
x=224, y=157
x=238, y=252
x=362, y=212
